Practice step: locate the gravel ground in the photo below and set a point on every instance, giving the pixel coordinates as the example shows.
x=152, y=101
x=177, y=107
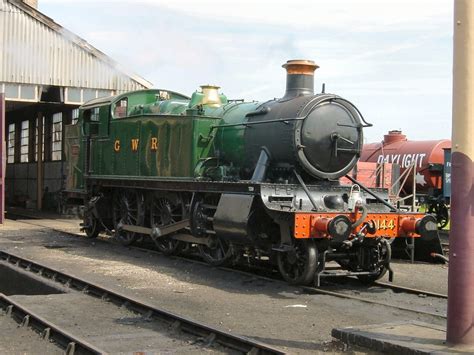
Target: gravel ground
x=110, y=328
x=21, y=340
x=423, y=276
x=269, y=311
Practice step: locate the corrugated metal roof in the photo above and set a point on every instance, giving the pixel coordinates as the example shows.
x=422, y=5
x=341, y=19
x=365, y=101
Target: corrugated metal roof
x=36, y=50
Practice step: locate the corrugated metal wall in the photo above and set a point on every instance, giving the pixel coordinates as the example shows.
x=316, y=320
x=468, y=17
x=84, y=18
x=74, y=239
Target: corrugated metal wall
x=33, y=53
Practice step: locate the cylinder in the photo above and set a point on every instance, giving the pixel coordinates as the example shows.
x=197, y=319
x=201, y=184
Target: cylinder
x=460, y=328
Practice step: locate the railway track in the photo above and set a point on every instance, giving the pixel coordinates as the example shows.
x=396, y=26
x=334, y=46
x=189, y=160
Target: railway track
x=322, y=291
x=50, y=332
x=202, y=332
x=372, y=301
x=413, y=291
x=307, y=289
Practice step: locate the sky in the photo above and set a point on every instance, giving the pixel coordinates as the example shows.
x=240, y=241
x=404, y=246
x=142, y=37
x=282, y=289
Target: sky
x=392, y=59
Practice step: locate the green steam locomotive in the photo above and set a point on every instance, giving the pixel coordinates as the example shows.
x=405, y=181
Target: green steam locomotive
x=235, y=180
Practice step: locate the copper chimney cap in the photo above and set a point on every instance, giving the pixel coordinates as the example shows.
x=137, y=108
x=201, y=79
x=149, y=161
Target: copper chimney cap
x=300, y=66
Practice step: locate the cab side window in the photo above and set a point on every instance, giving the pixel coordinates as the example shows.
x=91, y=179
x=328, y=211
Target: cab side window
x=120, y=108
x=91, y=121
x=94, y=115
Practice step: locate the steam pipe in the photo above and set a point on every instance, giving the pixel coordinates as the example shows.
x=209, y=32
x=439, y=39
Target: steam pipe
x=262, y=165
x=377, y=197
x=305, y=188
x=361, y=218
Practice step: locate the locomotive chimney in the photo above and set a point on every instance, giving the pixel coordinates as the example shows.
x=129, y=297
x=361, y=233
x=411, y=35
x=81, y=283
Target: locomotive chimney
x=299, y=77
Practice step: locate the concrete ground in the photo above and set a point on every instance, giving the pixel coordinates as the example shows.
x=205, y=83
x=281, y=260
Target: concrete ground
x=411, y=338
x=269, y=311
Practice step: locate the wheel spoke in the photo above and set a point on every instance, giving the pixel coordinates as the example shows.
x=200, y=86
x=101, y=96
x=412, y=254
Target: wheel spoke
x=127, y=209
x=218, y=253
x=161, y=209
x=298, y=266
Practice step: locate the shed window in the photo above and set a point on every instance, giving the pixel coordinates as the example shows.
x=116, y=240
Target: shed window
x=57, y=136
x=36, y=141
x=28, y=92
x=75, y=116
x=74, y=95
x=104, y=93
x=88, y=94
x=24, y=141
x=12, y=91
x=11, y=143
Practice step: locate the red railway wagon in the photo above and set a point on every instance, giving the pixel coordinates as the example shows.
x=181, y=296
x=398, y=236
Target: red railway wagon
x=428, y=158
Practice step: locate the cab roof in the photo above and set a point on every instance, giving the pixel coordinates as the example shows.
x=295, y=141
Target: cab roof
x=108, y=100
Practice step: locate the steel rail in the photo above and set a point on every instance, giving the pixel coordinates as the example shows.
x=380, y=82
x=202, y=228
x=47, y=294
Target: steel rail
x=49, y=331
x=316, y=290
x=414, y=291
x=370, y=301
x=177, y=322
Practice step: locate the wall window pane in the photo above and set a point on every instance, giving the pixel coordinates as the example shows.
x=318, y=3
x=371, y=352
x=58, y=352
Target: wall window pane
x=75, y=115
x=28, y=92
x=24, y=141
x=11, y=143
x=36, y=142
x=11, y=91
x=104, y=93
x=57, y=136
x=73, y=95
x=88, y=94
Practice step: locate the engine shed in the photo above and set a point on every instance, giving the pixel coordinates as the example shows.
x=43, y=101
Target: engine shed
x=46, y=73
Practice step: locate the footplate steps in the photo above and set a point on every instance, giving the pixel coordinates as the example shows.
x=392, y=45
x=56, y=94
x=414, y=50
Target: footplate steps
x=233, y=341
